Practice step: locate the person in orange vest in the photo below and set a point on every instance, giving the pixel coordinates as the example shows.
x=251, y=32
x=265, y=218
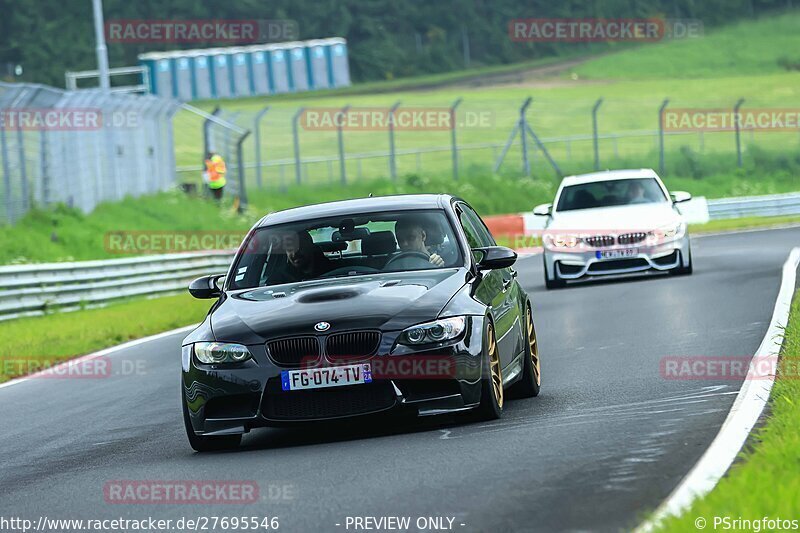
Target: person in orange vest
x=215, y=171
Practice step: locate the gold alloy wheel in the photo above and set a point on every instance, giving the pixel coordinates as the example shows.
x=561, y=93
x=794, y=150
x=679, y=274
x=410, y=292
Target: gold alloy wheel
x=534, y=348
x=494, y=368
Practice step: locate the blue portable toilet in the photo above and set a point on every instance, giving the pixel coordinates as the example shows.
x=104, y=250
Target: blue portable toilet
x=222, y=72
x=318, y=62
x=259, y=57
x=340, y=67
x=184, y=79
x=241, y=71
x=298, y=67
x=279, y=70
x=160, y=74
x=202, y=76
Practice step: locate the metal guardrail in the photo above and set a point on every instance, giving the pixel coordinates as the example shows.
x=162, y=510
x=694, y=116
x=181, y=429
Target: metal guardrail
x=755, y=206
x=32, y=290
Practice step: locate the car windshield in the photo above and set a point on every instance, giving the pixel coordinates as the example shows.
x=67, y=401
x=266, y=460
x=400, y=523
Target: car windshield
x=611, y=193
x=347, y=246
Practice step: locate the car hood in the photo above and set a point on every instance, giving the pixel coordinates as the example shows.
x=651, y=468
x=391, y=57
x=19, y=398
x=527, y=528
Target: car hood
x=387, y=301
x=628, y=217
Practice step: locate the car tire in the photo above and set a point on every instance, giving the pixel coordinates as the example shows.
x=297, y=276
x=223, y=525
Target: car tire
x=681, y=270
x=556, y=282
x=201, y=443
x=492, y=395
x=530, y=383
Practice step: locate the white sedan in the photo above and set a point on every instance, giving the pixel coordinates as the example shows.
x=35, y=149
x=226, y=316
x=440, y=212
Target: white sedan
x=614, y=222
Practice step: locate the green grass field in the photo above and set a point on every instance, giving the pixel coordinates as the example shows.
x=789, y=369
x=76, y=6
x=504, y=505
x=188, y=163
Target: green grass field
x=765, y=482
x=37, y=343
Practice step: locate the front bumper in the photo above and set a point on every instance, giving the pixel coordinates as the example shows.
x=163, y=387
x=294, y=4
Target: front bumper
x=571, y=265
x=234, y=399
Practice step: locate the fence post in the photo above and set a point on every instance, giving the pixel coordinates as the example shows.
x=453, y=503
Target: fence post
x=340, y=138
x=594, y=134
x=736, y=125
x=298, y=172
x=6, y=176
x=242, y=185
x=661, y=109
x=207, y=133
x=23, y=171
x=454, y=143
x=257, y=129
x=392, y=161
x=523, y=128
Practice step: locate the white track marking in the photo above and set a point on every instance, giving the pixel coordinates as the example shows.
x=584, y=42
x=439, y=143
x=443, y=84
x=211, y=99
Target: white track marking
x=744, y=413
x=102, y=353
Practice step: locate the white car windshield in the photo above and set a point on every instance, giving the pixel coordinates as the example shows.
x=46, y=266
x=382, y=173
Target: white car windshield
x=611, y=193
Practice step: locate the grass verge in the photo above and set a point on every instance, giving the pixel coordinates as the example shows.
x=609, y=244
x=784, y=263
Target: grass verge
x=35, y=343
x=765, y=482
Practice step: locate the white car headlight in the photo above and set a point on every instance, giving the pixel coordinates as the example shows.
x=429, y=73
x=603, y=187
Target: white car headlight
x=670, y=231
x=432, y=332
x=220, y=352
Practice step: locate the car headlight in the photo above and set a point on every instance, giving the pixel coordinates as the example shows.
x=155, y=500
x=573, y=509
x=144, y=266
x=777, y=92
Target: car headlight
x=432, y=332
x=220, y=352
x=562, y=241
x=671, y=231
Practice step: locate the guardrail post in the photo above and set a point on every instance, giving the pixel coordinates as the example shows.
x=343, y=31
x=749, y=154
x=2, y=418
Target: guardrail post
x=257, y=129
x=392, y=160
x=594, y=134
x=298, y=171
x=340, y=138
x=737, y=126
x=661, y=109
x=526, y=168
x=453, y=140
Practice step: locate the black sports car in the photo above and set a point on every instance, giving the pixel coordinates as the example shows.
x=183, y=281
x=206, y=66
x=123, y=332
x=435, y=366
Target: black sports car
x=354, y=308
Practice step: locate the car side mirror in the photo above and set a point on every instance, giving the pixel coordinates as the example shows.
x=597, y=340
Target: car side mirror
x=680, y=196
x=495, y=257
x=206, y=287
x=543, y=210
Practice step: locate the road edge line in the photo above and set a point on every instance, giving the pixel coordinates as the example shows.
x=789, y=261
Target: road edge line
x=102, y=353
x=744, y=413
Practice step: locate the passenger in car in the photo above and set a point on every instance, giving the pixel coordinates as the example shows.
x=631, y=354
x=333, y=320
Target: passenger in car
x=304, y=260
x=410, y=233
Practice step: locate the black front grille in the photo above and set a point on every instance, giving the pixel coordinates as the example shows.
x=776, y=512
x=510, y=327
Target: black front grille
x=599, y=241
x=328, y=403
x=352, y=345
x=294, y=352
x=632, y=238
x=618, y=264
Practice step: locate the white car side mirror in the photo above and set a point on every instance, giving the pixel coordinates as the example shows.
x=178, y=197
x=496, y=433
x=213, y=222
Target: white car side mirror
x=543, y=210
x=680, y=196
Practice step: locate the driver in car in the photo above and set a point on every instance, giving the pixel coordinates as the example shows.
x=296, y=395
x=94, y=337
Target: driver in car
x=411, y=235
x=304, y=259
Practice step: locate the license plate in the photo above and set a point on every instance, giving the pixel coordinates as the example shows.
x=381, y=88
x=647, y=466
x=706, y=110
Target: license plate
x=617, y=254
x=334, y=376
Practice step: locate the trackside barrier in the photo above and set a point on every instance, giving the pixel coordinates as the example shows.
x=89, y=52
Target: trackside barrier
x=31, y=290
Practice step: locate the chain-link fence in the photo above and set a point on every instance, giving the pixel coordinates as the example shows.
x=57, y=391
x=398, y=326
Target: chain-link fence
x=81, y=147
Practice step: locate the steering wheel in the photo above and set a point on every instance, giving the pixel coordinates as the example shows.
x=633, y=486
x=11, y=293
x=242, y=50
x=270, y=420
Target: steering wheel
x=404, y=255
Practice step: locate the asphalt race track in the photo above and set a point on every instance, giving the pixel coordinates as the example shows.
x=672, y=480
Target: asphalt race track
x=606, y=441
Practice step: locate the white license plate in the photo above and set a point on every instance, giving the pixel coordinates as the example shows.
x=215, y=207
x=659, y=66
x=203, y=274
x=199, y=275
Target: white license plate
x=334, y=376
x=617, y=254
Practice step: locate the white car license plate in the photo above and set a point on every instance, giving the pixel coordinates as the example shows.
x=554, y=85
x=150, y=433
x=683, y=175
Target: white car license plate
x=617, y=254
x=334, y=376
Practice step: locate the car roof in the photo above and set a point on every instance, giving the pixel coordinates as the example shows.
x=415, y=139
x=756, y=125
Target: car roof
x=398, y=202
x=609, y=175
